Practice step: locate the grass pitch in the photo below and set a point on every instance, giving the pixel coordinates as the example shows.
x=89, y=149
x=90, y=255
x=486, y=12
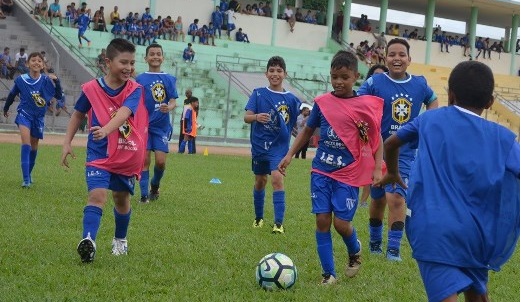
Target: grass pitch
x=195, y=243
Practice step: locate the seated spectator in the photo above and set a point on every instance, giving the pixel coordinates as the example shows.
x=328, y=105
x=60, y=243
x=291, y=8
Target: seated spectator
x=189, y=53
x=119, y=29
x=168, y=28
x=241, y=36
x=414, y=34
x=193, y=30
x=405, y=34
x=114, y=16
x=211, y=33
x=309, y=18
x=21, y=61
x=36, y=10
x=60, y=106
x=254, y=9
x=298, y=15
x=101, y=62
x=203, y=35
x=46, y=65
x=146, y=16
x=70, y=14
x=479, y=46
x=267, y=10
x=246, y=10
x=7, y=70
x=43, y=10
x=288, y=13
x=260, y=9
x=396, y=30
x=178, y=29
x=129, y=17
x=321, y=17
x=55, y=11
x=99, y=20
x=7, y=7
x=364, y=24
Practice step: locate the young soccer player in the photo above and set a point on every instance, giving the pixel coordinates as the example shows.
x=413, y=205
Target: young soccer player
x=349, y=154
x=116, y=145
x=463, y=195
x=82, y=22
x=190, y=126
x=403, y=95
x=160, y=99
x=36, y=91
x=273, y=113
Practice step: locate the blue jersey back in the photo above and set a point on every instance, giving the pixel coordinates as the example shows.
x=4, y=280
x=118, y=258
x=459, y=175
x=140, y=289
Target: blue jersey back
x=403, y=101
x=160, y=88
x=83, y=22
x=35, y=94
x=97, y=149
x=332, y=154
x=271, y=140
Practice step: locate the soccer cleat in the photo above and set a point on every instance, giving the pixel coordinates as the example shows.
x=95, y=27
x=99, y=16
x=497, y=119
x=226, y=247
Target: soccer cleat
x=278, y=229
x=119, y=246
x=393, y=255
x=26, y=185
x=355, y=262
x=258, y=223
x=328, y=279
x=144, y=199
x=375, y=247
x=154, y=192
x=87, y=249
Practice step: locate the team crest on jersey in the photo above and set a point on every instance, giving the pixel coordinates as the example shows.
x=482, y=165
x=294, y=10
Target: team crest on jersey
x=363, y=128
x=401, y=107
x=331, y=134
x=158, y=91
x=124, y=129
x=282, y=108
x=37, y=98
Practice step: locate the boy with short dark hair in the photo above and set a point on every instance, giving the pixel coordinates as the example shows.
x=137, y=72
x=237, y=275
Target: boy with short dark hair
x=349, y=155
x=190, y=127
x=463, y=200
x=273, y=112
x=116, y=145
x=160, y=99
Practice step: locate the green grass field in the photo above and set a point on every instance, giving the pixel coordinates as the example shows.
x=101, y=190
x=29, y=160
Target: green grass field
x=195, y=243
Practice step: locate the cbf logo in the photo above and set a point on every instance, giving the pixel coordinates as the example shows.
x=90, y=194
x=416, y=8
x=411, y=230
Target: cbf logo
x=282, y=108
x=401, y=107
x=331, y=134
x=124, y=129
x=37, y=98
x=158, y=91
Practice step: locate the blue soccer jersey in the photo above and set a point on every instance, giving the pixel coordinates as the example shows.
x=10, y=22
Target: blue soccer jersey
x=332, y=154
x=463, y=196
x=160, y=88
x=97, y=149
x=83, y=22
x=35, y=94
x=271, y=140
x=403, y=101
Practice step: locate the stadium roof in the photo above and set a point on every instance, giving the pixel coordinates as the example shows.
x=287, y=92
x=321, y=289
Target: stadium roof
x=496, y=13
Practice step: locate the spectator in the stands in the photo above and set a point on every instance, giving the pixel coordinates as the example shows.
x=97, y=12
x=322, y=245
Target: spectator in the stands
x=146, y=15
x=210, y=34
x=189, y=53
x=7, y=70
x=99, y=20
x=321, y=17
x=217, y=20
x=234, y=5
x=7, y=7
x=479, y=46
x=309, y=18
x=240, y=36
x=267, y=10
x=381, y=41
x=70, y=14
x=178, y=29
x=260, y=9
x=444, y=41
x=43, y=10
x=168, y=28
x=21, y=61
x=193, y=30
x=55, y=11
x=414, y=34
x=465, y=44
x=101, y=62
x=288, y=12
x=486, y=48
x=230, y=13
x=129, y=17
x=114, y=16
x=299, y=17
x=405, y=34
x=119, y=29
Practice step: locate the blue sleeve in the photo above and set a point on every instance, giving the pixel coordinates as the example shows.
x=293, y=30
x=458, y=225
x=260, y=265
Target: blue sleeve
x=314, y=117
x=132, y=100
x=82, y=104
x=10, y=98
x=366, y=87
x=172, y=88
x=409, y=131
x=188, y=121
x=513, y=163
x=252, y=102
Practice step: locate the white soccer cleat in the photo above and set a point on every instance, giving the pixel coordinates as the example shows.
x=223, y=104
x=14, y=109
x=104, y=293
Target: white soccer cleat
x=119, y=246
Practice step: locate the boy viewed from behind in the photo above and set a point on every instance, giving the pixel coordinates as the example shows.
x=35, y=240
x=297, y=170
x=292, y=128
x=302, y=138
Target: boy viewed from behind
x=463, y=195
x=273, y=112
x=116, y=145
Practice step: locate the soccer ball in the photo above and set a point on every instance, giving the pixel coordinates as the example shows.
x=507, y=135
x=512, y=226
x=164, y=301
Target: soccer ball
x=276, y=271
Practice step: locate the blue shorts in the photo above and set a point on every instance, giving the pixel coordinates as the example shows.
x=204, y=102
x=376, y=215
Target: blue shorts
x=264, y=167
x=35, y=124
x=377, y=193
x=81, y=32
x=101, y=179
x=443, y=280
x=231, y=26
x=158, y=139
x=331, y=196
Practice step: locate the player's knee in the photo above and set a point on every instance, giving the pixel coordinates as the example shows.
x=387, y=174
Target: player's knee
x=397, y=226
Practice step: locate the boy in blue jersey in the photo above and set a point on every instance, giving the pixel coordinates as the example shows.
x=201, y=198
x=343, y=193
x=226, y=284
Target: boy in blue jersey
x=403, y=95
x=273, y=112
x=463, y=200
x=82, y=22
x=116, y=144
x=160, y=99
x=349, y=154
x=36, y=91
x=217, y=20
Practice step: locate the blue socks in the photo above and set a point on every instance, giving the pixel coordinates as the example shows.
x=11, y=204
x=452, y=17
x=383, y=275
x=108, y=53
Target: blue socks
x=182, y=147
x=279, y=205
x=394, y=238
x=91, y=221
x=25, y=160
x=158, y=174
x=375, y=233
x=143, y=183
x=122, y=221
x=191, y=147
x=325, y=252
x=258, y=203
x=352, y=243
x=32, y=161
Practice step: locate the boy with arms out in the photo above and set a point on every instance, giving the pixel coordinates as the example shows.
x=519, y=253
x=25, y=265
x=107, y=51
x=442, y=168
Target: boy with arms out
x=403, y=96
x=160, y=98
x=349, y=154
x=463, y=195
x=116, y=144
x=273, y=112
x=36, y=91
